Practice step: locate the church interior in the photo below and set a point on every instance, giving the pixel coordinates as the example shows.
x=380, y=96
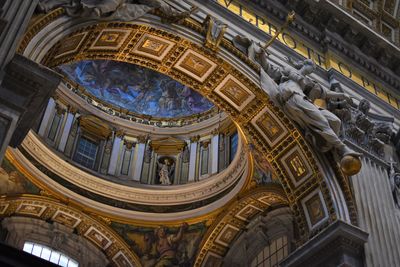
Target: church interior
x=215, y=133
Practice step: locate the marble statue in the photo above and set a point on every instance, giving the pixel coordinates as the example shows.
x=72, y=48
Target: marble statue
x=295, y=91
x=165, y=172
x=124, y=10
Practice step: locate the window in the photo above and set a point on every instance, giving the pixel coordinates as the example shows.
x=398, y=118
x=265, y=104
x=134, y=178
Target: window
x=387, y=31
x=86, y=152
x=272, y=254
x=233, y=143
x=54, y=127
x=49, y=254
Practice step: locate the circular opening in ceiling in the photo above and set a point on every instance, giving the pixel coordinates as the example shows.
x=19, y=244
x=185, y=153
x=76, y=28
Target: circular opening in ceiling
x=136, y=89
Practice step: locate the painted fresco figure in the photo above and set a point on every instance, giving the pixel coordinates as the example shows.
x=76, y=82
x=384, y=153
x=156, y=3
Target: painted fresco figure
x=162, y=248
x=293, y=89
x=125, y=10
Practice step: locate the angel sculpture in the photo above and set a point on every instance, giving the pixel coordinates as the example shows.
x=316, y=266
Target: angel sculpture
x=125, y=10
x=165, y=172
x=295, y=91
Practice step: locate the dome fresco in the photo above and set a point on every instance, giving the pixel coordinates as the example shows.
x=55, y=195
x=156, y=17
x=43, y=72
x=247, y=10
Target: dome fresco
x=137, y=89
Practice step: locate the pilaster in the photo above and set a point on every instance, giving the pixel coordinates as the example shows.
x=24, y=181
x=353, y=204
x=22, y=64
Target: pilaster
x=116, y=148
x=193, y=158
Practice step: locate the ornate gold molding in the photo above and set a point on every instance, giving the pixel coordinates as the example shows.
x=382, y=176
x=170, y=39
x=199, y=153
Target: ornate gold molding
x=48, y=209
x=233, y=220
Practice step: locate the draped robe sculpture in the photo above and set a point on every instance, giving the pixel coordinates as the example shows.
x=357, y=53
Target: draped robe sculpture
x=125, y=10
x=293, y=90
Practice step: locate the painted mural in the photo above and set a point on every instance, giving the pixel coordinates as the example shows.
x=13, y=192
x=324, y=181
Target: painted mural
x=163, y=246
x=137, y=89
x=12, y=182
x=263, y=173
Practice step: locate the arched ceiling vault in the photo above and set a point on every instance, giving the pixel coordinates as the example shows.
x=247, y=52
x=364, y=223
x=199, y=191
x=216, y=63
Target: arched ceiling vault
x=214, y=75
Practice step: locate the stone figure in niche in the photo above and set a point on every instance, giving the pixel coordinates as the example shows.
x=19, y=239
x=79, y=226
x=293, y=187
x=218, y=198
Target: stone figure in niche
x=294, y=90
x=166, y=168
x=394, y=179
x=125, y=10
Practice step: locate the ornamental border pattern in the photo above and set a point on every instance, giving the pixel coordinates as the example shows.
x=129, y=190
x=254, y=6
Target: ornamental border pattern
x=49, y=208
x=260, y=199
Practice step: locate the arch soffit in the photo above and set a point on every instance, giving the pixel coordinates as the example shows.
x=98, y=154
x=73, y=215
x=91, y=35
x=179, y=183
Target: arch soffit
x=94, y=230
x=231, y=223
x=263, y=124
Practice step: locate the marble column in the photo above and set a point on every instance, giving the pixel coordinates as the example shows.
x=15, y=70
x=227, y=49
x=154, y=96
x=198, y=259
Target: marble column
x=193, y=158
x=51, y=106
x=116, y=148
x=377, y=213
x=214, y=153
x=66, y=130
x=139, y=156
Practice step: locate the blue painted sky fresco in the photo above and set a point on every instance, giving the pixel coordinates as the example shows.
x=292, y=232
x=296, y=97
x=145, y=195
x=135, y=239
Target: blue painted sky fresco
x=137, y=89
